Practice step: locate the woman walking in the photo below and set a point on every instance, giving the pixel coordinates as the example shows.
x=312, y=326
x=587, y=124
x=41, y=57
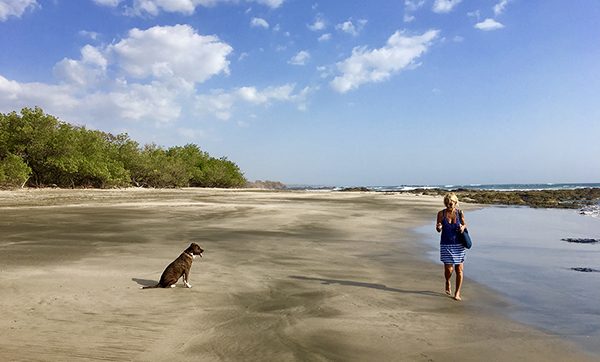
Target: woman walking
x=451, y=222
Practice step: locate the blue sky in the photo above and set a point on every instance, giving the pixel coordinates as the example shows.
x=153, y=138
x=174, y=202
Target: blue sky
x=327, y=91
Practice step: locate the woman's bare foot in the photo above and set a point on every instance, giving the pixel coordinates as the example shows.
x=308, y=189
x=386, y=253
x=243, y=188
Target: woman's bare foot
x=457, y=297
x=448, y=288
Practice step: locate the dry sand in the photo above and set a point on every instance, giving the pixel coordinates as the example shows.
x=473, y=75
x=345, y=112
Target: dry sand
x=308, y=276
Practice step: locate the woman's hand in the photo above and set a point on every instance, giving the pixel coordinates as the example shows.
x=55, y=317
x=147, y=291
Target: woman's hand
x=462, y=228
x=438, y=227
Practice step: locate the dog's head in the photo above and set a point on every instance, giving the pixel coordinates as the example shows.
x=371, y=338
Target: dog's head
x=194, y=249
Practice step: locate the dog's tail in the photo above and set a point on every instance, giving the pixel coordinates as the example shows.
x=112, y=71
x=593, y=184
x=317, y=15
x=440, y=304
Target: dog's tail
x=151, y=286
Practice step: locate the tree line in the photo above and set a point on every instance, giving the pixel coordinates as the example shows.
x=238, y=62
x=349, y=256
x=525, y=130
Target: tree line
x=39, y=150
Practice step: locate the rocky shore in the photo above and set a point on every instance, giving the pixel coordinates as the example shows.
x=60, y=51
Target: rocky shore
x=559, y=199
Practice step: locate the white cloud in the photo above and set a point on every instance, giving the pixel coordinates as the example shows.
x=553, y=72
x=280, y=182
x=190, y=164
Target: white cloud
x=475, y=14
x=89, y=34
x=15, y=8
x=300, y=58
x=172, y=51
x=413, y=5
x=15, y=95
x=318, y=25
x=488, y=25
x=349, y=27
x=259, y=23
x=156, y=68
x=218, y=103
x=368, y=66
x=153, y=102
x=154, y=7
x=325, y=37
x=109, y=3
x=221, y=104
x=185, y=7
x=274, y=4
x=410, y=6
x=85, y=72
x=148, y=77
x=444, y=6
x=499, y=7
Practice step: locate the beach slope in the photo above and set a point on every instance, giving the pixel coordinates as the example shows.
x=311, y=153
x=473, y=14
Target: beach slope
x=307, y=276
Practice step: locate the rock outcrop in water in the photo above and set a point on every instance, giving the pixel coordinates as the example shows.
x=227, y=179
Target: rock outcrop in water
x=581, y=240
x=586, y=270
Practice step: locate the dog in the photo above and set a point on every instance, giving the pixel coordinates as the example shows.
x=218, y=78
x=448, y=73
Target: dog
x=178, y=268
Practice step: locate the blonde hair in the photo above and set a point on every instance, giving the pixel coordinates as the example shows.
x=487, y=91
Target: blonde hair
x=450, y=196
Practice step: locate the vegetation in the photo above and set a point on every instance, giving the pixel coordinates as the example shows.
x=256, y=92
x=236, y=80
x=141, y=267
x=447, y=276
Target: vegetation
x=561, y=199
x=37, y=149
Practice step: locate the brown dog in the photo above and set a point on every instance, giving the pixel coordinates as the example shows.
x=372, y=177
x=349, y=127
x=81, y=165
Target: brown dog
x=178, y=268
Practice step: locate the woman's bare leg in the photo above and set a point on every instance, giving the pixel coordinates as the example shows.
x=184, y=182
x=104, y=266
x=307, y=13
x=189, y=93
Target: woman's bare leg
x=448, y=269
x=459, y=280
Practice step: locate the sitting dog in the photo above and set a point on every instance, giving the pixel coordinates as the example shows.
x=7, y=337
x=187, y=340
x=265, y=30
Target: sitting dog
x=178, y=268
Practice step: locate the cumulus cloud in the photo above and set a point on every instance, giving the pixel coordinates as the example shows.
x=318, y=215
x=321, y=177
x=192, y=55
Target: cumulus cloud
x=149, y=76
x=318, y=25
x=410, y=6
x=488, y=25
x=155, y=70
x=86, y=71
x=349, y=27
x=109, y=3
x=271, y=3
x=413, y=5
x=172, y=51
x=368, y=66
x=15, y=8
x=89, y=34
x=325, y=37
x=300, y=58
x=221, y=104
x=15, y=95
x=444, y=6
x=185, y=7
x=500, y=7
x=259, y=23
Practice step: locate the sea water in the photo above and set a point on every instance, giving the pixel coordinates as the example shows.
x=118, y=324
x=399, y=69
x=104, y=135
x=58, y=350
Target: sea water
x=519, y=252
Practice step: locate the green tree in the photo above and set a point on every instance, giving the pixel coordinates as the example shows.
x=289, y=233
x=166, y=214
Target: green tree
x=13, y=171
x=194, y=161
x=220, y=172
x=42, y=150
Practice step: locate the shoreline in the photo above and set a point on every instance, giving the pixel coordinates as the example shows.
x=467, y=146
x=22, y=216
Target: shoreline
x=570, y=198
x=286, y=276
x=532, y=261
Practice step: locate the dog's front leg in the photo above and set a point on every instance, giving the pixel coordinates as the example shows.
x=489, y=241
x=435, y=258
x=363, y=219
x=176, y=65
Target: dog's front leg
x=185, y=280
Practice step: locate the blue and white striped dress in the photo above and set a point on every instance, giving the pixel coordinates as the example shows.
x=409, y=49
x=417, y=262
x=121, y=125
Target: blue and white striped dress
x=451, y=249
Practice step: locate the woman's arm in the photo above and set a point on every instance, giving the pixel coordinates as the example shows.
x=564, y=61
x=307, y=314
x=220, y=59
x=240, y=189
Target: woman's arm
x=438, y=224
x=463, y=222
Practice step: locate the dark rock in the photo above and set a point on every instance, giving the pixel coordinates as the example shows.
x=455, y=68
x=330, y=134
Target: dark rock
x=363, y=189
x=581, y=241
x=586, y=270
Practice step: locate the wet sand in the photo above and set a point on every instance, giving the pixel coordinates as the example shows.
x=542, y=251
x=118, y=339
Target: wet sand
x=306, y=276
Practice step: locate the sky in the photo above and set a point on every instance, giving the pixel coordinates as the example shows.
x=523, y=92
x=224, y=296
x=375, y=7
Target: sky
x=324, y=92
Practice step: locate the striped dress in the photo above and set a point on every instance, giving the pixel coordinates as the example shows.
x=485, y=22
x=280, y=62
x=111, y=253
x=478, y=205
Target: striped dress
x=451, y=249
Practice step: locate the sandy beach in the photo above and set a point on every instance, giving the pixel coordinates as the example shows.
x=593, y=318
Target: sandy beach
x=286, y=276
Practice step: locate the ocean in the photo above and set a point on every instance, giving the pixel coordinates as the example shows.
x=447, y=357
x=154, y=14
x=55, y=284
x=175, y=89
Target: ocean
x=590, y=210
x=524, y=254
x=488, y=187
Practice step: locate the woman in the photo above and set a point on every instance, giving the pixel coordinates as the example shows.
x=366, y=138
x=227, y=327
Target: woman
x=451, y=222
